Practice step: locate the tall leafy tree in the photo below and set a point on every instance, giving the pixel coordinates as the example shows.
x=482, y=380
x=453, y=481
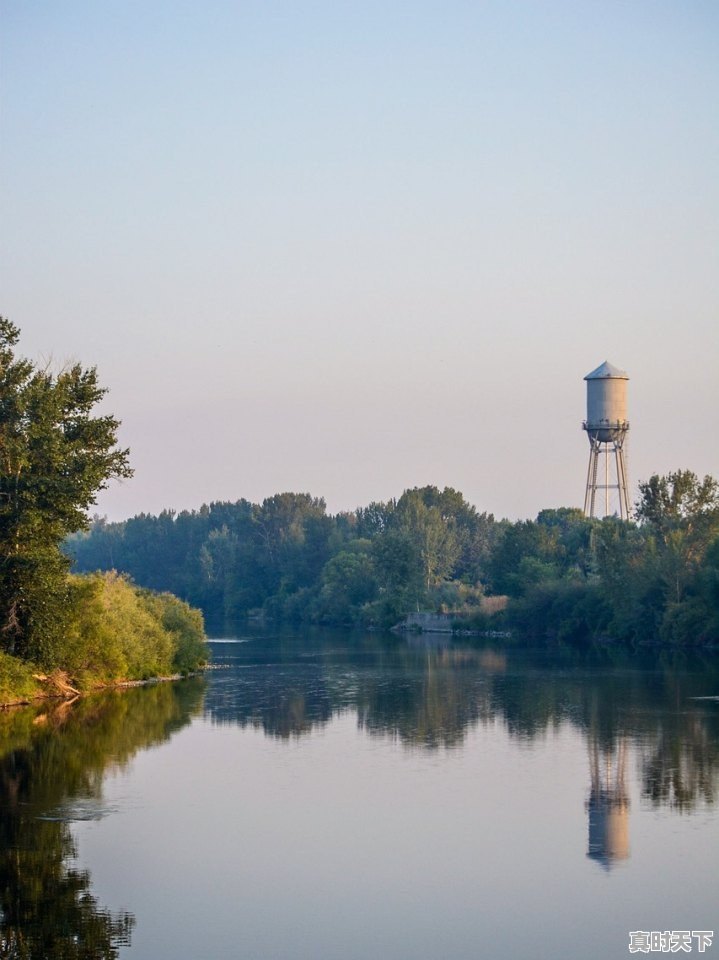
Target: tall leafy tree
x=432, y=532
x=55, y=455
x=678, y=497
x=681, y=513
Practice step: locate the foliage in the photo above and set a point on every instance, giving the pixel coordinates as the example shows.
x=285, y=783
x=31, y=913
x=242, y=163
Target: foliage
x=287, y=558
x=185, y=627
x=654, y=580
x=114, y=631
x=431, y=532
x=564, y=609
x=54, y=457
x=680, y=514
x=16, y=680
x=112, y=634
x=451, y=596
x=118, y=632
x=565, y=575
x=678, y=497
x=348, y=582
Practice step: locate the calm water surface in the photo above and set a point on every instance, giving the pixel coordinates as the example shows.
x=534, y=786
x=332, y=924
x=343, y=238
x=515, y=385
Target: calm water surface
x=326, y=795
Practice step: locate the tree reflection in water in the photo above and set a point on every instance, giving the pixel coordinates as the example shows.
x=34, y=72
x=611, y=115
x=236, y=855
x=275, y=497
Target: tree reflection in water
x=428, y=692
x=51, y=758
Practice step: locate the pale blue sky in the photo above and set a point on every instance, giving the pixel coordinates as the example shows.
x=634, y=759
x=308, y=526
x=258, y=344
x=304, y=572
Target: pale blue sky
x=353, y=247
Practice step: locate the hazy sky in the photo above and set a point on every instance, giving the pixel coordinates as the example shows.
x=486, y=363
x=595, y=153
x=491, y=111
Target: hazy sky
x=351, y=247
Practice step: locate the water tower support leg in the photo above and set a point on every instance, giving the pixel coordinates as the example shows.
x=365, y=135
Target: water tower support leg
x=589, y=500
x=606, y=479
x=620, y=486
x=595, y=468
x=588, y=490
x=622, y=482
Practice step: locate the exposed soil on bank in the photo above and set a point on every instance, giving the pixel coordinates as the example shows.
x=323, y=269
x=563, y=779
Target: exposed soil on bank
x=57, y=686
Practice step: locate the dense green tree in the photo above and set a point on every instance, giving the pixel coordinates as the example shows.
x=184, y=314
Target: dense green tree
x=469, y=536
x=521, y=543
x=573, y=536
x=374, y=519
x=707, y=593
x=218, y=562
x=432, y=530
x=400, y=572
x=681, y=514
x=348, y=582
x=55, y=455
x=678, y=497
x=292, y=534
x=657, y=576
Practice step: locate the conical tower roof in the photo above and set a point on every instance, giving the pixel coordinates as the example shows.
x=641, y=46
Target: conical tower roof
x=607, y=371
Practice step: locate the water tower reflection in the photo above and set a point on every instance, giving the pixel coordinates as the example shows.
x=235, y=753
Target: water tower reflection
x=608, y=804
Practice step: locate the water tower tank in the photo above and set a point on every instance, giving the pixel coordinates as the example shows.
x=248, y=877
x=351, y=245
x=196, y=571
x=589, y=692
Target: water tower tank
x=606, y=402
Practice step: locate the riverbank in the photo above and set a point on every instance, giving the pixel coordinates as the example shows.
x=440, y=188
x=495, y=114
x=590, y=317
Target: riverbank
x=57, y=687
x=114, y=634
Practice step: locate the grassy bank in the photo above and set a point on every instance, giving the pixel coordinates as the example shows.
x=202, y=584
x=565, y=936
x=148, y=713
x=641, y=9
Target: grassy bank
x=114, y=632
x=17, y=681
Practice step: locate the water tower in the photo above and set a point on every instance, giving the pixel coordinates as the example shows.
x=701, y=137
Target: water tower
x=607, y=427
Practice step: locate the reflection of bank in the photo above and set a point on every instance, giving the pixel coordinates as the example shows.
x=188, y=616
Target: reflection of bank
x=608, y=804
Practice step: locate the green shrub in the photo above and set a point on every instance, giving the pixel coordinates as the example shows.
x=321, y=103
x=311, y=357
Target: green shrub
x=118, y=632
x=16, y=680
x=185, y=625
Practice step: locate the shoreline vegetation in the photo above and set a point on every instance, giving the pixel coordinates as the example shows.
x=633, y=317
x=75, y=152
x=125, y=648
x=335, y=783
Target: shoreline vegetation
x=119, y=635
x=56, y=687
x=61, y=632
x=561, y=577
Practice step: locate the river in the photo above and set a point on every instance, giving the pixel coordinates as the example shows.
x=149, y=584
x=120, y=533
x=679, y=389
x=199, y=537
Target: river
x=324, y=795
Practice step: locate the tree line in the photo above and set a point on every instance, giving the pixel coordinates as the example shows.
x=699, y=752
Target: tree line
x=654, y=578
